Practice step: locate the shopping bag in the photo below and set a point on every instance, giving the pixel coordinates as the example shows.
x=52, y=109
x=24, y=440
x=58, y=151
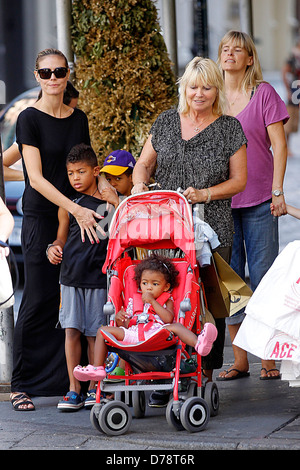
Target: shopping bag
x=226, y=293
x=239, y=292
x=216, y=294
x=276, y=300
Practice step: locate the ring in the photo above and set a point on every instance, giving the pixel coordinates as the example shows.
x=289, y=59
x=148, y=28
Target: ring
x=96, y=225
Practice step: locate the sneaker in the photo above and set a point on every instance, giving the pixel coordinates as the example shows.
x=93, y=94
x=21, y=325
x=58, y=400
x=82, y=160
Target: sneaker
x=116, y=371
x=71, y=402
x=90, y=398
x=206, y=338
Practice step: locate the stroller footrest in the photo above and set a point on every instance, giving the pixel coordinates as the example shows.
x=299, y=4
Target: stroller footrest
x=107, y=387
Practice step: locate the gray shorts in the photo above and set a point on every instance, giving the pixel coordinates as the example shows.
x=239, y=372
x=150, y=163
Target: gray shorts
x=82, y=309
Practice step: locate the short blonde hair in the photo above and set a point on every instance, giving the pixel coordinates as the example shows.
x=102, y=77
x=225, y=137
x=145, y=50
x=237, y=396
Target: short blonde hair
x=253, y=75
x=202, y=71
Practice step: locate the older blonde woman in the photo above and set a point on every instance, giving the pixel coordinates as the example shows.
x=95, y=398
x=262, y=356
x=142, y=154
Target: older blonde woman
x=262, y=114
x=198, y=148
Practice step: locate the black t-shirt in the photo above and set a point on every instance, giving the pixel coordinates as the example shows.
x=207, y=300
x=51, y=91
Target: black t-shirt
x=54, y=137
x=82, y=261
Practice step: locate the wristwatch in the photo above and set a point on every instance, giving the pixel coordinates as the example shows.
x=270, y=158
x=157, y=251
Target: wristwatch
x=277, y=192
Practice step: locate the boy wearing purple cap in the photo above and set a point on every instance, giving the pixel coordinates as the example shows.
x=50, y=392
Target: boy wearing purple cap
x=118, y=168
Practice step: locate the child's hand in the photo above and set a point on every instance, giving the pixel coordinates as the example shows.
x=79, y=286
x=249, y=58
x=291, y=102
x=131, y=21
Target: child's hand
x=110, y=195
x=121, y=316
x=147, y=297
x=55, y=254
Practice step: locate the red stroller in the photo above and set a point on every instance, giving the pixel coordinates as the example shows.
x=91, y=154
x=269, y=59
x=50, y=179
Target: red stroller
x=158, y=220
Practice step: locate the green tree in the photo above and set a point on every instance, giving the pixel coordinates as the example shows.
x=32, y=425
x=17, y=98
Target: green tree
x=122, y=70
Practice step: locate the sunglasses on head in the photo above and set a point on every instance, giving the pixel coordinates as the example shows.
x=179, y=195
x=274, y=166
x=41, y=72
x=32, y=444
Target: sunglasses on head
x=59, y=72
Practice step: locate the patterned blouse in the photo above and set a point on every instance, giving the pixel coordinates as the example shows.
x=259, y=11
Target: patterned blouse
x=200, y=162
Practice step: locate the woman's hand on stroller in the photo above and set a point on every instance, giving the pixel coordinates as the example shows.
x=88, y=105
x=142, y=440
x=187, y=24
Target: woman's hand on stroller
x=139, y=188
x=194, y=195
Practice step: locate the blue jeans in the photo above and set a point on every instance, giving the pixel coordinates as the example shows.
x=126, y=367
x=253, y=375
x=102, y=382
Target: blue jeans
x=255, y=240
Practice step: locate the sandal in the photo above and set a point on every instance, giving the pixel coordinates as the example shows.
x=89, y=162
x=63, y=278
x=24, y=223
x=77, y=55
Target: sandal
x=269, y=377
x=89, y=373
x=19, y=399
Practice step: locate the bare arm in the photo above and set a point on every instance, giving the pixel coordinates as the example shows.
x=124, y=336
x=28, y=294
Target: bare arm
x=85, y=217
x=165, y=313
x=11, y=156
x=279, y=146
x=286, y=70
x=236, y=182
x=294, y=211
x=55, y=252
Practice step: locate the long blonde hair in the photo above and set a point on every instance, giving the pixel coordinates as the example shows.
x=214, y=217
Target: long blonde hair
x=253, y=75
x=206, y=72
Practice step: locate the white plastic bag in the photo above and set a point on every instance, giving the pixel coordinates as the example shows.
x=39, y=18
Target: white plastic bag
x=271, y=329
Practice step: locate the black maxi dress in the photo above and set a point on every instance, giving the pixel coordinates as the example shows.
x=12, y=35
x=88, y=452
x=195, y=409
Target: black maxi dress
x=39, y=365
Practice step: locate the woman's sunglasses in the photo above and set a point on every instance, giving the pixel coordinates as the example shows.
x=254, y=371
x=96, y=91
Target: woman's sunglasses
x=59, y=72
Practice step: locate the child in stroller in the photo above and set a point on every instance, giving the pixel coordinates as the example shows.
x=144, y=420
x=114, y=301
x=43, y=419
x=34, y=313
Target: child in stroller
x=155, y=277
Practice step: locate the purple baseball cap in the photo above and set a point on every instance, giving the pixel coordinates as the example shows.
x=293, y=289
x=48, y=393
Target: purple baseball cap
x=118, y=162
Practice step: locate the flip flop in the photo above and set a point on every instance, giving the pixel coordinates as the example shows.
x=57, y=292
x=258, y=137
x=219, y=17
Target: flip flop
x=271, y=377
x=239, y=375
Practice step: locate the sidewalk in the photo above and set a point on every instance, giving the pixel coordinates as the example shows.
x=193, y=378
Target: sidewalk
x=253, y=414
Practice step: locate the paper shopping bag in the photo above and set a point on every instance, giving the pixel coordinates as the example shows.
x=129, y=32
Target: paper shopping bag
x=239, y=292
x=216, y=294
x=226, y=293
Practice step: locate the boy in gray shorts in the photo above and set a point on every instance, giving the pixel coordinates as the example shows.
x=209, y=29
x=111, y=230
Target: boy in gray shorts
x=83, y=285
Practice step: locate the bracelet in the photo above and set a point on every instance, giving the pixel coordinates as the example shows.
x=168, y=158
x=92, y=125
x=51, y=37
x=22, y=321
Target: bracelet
x=208, y=196
x=47, y=249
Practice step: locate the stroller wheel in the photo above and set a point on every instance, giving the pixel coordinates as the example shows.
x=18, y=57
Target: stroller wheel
x=138, y=403
x=173, y=415
x=194, y=414
x=211, y=396
x=94, y=416
x=115, y=418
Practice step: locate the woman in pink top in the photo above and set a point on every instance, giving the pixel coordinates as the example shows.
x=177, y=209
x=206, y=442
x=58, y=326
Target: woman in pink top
x=262, y=115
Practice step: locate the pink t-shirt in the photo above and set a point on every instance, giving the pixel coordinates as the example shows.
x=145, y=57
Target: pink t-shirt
x=265, y=108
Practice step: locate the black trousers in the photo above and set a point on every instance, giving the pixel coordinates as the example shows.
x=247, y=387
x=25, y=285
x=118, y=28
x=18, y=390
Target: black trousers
x=214, y=360
x=39, y=365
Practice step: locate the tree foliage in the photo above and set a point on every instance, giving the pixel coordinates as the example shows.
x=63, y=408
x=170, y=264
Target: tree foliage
x=122, y=70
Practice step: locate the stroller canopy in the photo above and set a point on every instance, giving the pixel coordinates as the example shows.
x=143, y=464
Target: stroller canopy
x=152, y=220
